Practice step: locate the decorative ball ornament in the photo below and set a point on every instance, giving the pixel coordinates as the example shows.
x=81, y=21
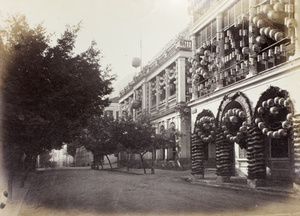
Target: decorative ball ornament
x=233, y=117
x=267, y=30
x=273, y=15
x=274, y=106
x=261, y=40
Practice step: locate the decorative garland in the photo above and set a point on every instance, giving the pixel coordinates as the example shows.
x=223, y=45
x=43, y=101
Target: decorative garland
x=206, y=128
x=235, y=120
x=277, y=111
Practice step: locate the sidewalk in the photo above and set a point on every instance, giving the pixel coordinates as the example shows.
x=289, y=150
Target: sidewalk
x=210, y=179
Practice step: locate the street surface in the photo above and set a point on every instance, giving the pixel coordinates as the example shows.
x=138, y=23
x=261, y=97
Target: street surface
x=95, y=192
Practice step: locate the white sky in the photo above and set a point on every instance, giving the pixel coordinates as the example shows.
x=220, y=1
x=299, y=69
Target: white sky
x=116, y=25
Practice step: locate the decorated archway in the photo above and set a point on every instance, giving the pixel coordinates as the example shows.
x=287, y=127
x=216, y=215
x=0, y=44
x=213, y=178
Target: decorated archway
x=204, y=135
x=273, y=118
x=234, y=116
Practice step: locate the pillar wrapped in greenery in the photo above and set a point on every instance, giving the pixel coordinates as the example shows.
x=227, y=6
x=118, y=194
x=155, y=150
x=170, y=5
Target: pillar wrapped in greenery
x=197, y=155
x=255, y=154
x=224, y=155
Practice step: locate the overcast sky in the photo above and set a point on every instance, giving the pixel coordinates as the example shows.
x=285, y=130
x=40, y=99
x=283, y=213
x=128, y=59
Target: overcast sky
x=117, y=26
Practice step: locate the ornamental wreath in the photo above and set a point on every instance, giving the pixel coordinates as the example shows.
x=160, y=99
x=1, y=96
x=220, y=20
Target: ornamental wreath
x=234, y=125
x=275, y=117
x=206, y=128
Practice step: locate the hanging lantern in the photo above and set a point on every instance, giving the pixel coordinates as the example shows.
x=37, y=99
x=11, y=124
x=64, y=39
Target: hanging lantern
x=265, y=131
x=257, y=120
x=282, y=132
x=273, y=15
x=278, y=36
x=246, y=50
x=233, y=119
x=265, y=104
x=261, y=125
x=274, y=110
x=278, y=7
x=281, y=101
x=255, y=19
x=266, y=8
x=289, y=117
x=261, y=110
x=270, y=134
x=256, y=48
x=276, y=135
x=261, y=40
x=270, y=102
x=287, y=103
x=276, y=100
x=267, y=30
x=286, y=124
x=242, y=114
x=261, y=23
x=272, y=33
x=262, y=31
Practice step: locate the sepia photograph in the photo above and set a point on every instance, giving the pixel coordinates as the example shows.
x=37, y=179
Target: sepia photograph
x=149, y=107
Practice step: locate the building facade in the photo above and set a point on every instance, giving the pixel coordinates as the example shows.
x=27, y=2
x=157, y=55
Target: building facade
x=235, y=69
x=160, y=89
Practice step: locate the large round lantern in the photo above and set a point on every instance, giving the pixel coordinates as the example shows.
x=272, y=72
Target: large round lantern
x=136, y=62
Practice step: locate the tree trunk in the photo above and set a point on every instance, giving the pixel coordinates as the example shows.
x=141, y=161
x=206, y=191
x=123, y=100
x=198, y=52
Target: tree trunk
x=142, y=160
x=128, y=157
x=109, y=161
x=152, y=161
x=29, y=163
x=10, y=183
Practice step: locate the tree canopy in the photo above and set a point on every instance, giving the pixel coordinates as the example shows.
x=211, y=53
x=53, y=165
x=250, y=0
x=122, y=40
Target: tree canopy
x=49, y=92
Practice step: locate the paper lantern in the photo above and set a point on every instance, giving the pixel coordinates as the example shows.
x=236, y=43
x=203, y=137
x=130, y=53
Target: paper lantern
x=261, y=40
x=286, y=124
x=289, y=117
x=273, y=15
x=274, y=110
x=278, y=7
x=278, y=36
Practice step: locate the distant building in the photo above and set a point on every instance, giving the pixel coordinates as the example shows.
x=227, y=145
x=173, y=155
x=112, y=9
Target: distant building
x=113, y=109
x=61, y=158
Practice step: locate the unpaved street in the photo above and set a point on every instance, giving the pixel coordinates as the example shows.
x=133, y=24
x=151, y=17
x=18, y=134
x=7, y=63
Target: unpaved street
x=94, y=192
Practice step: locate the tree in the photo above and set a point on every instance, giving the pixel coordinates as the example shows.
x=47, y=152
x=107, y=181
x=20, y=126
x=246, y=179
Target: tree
x=135, y=136
x=97, y=138
x=48, y=91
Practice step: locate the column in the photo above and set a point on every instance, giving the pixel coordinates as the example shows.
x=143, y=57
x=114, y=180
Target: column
x=157, y=93
x=144, y=97
x=181, y=93
x=167, y=86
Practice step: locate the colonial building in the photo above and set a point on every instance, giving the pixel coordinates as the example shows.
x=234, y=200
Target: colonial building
x=235, y=68
x=161, y=89
x=245, y=84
